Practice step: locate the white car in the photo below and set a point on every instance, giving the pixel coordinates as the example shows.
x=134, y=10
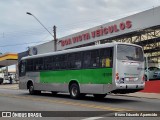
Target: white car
x=157, y=75
x=151, y=73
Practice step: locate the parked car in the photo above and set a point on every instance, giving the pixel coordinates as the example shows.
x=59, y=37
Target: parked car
x=151, y=73
x=157, y=75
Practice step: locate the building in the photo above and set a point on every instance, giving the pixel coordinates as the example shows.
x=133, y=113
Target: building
x=142, y=28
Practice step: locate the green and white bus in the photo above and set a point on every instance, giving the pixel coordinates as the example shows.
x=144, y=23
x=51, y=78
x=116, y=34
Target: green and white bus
x=98, y=70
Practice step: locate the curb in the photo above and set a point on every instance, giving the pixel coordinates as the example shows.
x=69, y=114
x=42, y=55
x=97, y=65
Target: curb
x=138, y=96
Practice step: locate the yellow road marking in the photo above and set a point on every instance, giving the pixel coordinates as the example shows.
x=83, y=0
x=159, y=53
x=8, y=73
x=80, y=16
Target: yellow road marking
x=100, y=107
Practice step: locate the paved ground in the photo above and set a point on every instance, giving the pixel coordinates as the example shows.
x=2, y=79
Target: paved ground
x=13, y=99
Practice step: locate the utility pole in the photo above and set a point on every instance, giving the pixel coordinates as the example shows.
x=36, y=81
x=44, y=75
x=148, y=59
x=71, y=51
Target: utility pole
x=54, y=30
x=55, y=39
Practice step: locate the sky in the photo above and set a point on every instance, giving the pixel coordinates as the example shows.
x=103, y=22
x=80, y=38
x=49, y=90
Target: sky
x=18, y=30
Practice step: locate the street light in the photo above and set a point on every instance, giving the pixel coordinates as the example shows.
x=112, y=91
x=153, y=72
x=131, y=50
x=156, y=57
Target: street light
x=54, y=28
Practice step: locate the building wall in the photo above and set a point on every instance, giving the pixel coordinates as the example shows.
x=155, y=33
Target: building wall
x=142, y=20
x=42, y=48
x=138, y=21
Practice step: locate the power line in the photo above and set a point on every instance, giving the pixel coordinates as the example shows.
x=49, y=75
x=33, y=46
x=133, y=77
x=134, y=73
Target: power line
x=97, y=18
x=78, y=23
x=22, y=43
x=38, y=31
x=50, y=40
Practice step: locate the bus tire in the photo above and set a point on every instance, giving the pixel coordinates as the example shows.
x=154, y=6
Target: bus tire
x=31, y=89
x=74, y=91
x=99, y=96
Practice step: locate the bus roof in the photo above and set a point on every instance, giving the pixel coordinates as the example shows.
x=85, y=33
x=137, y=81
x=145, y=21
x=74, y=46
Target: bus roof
x=78, y=50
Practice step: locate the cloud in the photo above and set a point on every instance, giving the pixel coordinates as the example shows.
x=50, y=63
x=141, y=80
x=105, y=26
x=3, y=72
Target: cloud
x=68, y=15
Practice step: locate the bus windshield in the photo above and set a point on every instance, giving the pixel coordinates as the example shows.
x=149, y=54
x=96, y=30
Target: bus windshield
x=129, y=52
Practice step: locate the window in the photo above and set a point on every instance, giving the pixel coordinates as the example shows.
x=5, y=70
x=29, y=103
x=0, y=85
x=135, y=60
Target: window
x=22, y=68
x=98, y=58
x=48, y=63
x=106, y=57
x=86, y=59
x=60, y=62
x=38, y=64
x=128, y=52
x=74, y=60
x=30, y=65
x=94, y=58
x=153, y=68
x=78, y=60
x=63, y=62
x=35, y=64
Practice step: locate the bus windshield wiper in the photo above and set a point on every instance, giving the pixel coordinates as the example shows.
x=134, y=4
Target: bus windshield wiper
x=130, y=58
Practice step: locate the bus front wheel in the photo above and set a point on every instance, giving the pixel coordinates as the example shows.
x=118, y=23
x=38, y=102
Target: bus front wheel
x=32, y=91
x=74, y=91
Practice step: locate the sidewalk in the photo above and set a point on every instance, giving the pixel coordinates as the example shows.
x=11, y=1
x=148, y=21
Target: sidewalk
x=143, y=95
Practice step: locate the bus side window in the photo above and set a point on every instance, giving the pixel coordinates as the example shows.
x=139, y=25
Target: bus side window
x=48, y=63
x=30, y=65
x=56, y=62
x=22, y=69
x=78, y=60
x=71, y=59
x=106, y=57
x=35, y=64
x=94, y=58
x=86, y=59
x=62, y=61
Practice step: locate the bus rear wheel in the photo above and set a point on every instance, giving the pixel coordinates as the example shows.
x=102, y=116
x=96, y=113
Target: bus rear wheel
x=99, y=96
x=74, y=91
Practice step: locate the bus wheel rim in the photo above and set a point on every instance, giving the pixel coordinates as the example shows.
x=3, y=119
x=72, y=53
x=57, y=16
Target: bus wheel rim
x=31, y=88
x=74, y=91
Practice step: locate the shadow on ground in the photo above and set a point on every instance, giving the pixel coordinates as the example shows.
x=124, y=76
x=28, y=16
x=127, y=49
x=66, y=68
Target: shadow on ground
x=108, y=99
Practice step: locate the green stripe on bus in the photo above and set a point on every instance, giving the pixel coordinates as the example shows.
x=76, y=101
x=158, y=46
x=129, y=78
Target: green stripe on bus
x=83, y=76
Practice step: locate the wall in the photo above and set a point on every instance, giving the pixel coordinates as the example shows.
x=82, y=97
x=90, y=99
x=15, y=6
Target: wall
x=139, y=21
x=152, y=87
x=42, y=48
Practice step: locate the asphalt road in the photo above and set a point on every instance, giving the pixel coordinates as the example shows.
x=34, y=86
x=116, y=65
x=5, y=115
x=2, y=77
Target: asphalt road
x=20, y=100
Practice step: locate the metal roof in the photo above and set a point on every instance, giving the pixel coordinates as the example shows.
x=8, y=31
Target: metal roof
x=8, y=59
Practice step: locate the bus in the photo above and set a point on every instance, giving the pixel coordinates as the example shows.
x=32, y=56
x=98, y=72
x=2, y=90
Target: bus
x=98, y=70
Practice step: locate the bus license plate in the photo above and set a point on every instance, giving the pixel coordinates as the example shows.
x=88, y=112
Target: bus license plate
x=133, y=79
